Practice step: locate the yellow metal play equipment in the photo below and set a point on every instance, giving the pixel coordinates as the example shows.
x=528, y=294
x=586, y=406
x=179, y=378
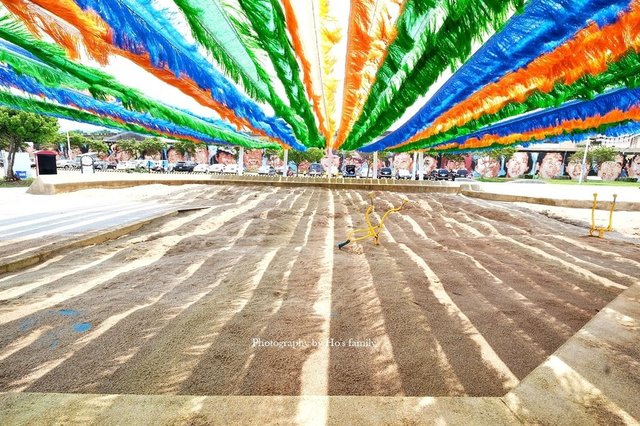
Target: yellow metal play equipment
x=371, y=231
x=601, y=230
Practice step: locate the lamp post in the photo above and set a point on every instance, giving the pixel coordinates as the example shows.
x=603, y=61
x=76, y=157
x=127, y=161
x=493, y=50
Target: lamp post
x=584, y=163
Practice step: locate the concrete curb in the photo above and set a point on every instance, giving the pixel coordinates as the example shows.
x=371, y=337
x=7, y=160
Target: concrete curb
x=55, y=248
x=40, y=187
x=580, y=204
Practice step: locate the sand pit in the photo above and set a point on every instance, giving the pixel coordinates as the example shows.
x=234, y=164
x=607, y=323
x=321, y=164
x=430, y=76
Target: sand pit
x=251, y=297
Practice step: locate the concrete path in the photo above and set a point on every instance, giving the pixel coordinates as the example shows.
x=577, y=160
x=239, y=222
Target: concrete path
x=33, y=228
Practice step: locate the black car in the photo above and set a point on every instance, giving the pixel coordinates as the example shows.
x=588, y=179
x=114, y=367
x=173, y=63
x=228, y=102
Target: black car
x=316, y=169
x=442, y=174
x=184, y=166
x=349, y=171
x=462, y=173
x=385, y=173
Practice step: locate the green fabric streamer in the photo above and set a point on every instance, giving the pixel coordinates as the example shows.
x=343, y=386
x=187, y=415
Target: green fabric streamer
x=60, y=111
x=268, y=22
x=216, y=31
x=419, y=55
x=100, y=85
x=623, y=73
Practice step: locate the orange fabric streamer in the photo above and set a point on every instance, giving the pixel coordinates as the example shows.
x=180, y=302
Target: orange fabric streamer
x=379, y=37
x=568, y=126
x=60, y=31
x=70, y=12
x=588, y=52
x=358, y=46
x=97, y=38
x=293, y=29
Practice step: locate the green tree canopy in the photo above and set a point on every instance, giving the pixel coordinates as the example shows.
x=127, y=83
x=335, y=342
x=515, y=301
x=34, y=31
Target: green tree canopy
x=185, y=147
x=600, y=154
x=98, y=146
x=19, y=127
x=506, y=152
x=152, y=146
x=130, y=146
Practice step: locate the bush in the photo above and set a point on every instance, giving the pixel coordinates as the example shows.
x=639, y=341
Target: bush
x=627, y=179
x=527, y=177
x=562, y=178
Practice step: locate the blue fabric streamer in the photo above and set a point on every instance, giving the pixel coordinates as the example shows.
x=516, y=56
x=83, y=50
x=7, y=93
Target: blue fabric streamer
x=141, y=29
x=543, y=26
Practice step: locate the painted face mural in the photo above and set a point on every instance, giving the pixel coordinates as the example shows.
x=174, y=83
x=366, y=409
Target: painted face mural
x=275, y=161
x=551, y=165
x=633, y=166
x=225, y=156
x=518, y=164
x=610, y=170
x=573, y=169
x=303, y=167
x=487, y=166
x=456, y=165
x=201, y=155
x=253, y=159
x=331, y=163
x=430, y=163
x=402, y=161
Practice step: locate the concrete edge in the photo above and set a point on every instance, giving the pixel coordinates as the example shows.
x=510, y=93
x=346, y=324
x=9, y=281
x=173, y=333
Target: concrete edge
x=53, y=249
x=593, y=377
x=40, y=187
x=580, y=204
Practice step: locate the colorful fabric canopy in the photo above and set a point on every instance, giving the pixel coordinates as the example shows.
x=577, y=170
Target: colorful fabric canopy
x=366, y=75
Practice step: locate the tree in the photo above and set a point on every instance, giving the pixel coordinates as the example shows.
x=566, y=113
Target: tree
x=98, y=146
x=454, y=157
x=152, y=146
x=506, y=152
x=76, y=140
x=185, y=147
x=577, y=156
x=601, y=154
x=598, y=154
x=130, y=146
x=18, y=127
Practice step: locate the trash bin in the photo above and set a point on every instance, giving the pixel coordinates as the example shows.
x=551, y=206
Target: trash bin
x=46, y=163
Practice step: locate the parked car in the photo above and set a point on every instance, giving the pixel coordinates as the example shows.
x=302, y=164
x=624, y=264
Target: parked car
x=67, y=164
x=316, y=169
x=442, y=174
x=201, y=168
x=184, y=166
x=100, y=165
x=403, y=174
x=216, y=168
x=462, y=173
x=266, y=170
x=385, y=173
x=349, y=171
x=230, y=169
